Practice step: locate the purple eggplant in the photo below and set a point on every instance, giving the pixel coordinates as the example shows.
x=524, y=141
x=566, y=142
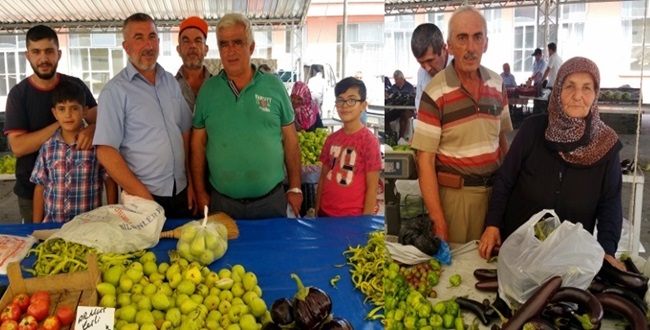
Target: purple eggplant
x=311, y=306
x=271, y=326
x=337, y=323
x=282, y=312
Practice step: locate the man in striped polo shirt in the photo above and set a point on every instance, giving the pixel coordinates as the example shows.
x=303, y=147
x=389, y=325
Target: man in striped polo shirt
x=460, y=136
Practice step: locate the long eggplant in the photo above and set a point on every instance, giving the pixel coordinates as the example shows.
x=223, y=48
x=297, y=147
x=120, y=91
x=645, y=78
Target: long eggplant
x=634, y=282
x=474, y=307
x=583, y=298
x=483, y=274
x=534, y=305
x=623, y=307
x=638, y=302
x=487, y=285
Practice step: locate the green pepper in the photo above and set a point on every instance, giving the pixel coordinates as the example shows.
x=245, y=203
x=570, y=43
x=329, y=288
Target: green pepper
x=399, y=314
x=390, y=303
x=439, y=308
x=425, y=310
x=448, y=321
x=414, y=300
x=433, y=278
x=390, y=315
x=421, y=323
x=426, y=327
x=410, y=322
x=435, y=265
x=452, y=307
x=459, y=324
x=584, y=320
x=435, y=321
x=454, y=280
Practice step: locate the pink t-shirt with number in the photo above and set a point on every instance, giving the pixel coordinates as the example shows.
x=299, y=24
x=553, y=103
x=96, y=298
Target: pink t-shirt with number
x=347, y=158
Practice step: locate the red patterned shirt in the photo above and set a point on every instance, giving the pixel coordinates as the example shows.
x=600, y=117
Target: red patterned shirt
x=72, y=179
x=347, y=158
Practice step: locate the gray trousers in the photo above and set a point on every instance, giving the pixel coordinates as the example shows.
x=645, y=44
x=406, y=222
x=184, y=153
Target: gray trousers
x=26, y=207
x=272, y=206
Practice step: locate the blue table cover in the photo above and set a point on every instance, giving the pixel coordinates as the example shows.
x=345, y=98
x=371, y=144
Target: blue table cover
x=275, y=248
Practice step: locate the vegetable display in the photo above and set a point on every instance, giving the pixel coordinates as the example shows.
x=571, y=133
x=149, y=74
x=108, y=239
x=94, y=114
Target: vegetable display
x=311, y=144
x=367, y=270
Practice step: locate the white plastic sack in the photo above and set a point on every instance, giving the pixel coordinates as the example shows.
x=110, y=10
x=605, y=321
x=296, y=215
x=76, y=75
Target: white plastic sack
x=120, y=228
x=525, y=262
x=13, y=248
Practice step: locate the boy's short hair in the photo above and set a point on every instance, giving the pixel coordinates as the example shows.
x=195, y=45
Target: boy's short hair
x=350, y=82
x=66, y=91
x=40, y=32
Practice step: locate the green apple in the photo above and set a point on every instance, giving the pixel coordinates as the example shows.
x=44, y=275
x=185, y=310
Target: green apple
x=127, y=313
x=257, y=307
x=112, y=274
x=160, y=301
x=108, y=300
x=186, y=286
x=224, y=307
x=144, y=304
x=144, y=317
x=249, y=280
x=149, y=268
x=105, y=288
x=148, y=256
x=247, y=322
x=211, y=302
x=173, y=315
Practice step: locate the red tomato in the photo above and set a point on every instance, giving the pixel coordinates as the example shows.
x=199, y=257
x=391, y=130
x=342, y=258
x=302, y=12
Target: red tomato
x=65, y=315
x=9, y=325
x=22, y=299
x=41, y=295
x=28, y=323
x=11, y=312
x=52, y=323
x=39, y=309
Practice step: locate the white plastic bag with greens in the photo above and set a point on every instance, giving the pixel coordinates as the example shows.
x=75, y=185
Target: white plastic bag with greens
x=203, y=241
x=119, y=228
x=526, y=262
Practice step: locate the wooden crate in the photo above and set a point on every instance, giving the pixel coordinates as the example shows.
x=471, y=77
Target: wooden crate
x=72, y=289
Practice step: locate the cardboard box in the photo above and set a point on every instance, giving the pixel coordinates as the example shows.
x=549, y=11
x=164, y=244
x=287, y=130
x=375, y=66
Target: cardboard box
x=72, y=289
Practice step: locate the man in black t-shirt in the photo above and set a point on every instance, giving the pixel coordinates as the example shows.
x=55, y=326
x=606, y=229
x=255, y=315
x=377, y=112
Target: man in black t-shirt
x=29, y=121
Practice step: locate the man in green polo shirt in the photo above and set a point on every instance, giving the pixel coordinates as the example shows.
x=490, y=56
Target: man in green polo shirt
x=243, y=126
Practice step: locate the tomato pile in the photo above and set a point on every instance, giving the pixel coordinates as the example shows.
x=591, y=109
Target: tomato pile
x=25, y=313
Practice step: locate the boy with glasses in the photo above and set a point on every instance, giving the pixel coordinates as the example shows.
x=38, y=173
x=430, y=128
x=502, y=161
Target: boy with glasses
x=351, y=158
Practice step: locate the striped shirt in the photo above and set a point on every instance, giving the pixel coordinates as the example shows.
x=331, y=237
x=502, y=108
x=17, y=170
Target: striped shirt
x=464, y=135
x=72, y=179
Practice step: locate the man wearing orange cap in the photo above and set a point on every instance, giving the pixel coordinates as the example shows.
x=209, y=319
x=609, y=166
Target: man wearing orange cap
x=192, y=48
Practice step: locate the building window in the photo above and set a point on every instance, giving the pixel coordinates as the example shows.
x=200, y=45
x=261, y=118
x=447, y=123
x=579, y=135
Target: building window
x=13, y=64
x=525, y=39
x=166, y=44
x=572, y=28
x=633, y=21
x=493, y=20
x=96, y=58
x=398, y=32
x=263, y=44
x=364, y=48
x=439, y=20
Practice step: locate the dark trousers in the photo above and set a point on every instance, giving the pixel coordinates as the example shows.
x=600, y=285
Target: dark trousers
x=271, y=205
x=176, y=206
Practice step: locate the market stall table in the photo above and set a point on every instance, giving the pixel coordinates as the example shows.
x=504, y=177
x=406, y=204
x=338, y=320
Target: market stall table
x=275, y=248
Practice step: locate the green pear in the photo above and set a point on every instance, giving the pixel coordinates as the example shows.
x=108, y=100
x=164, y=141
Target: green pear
x=214, y=315
x=180, y=298
x=257, y=307
x=135, y=273
x=239, y=270
x=119, y=324
x=194, y=274
x=224, y=283
x=162, y=267
x=127, y=313
x=144, y=304
x=160, y=301
x=186, y=286
x=210, y=279
x=126, y=283
x=166, y=325
x=249, y=280
x=188, y=306
x=136, y=265
x=211, y=302
x=222, y=230
x=247, y=322
x=197, y=298
x=144, y=317
x=211, y=241
x=166, y=289
x=148, y=256
x=189, y=231
x=105, y=288
x=207, y=257
x=173, y=269
x=205, y=271
x=197, y=246
x=215, y=291
x=149, y=268
x=212, y=324
x=249, y=296
x=131, y=326
x=155, y=277
x=148, y=326
x=237, y=301
x=225, y=295
x=238, y=289
x=224, y=307
x=123, y=299
x=258, y=291
x=224, y=273
x=236, y=311
x=221, y=249
x=137, y=288
x=183, y=248
x=173, y=315
x=202, y=289
x=108, y=300
x=112, y=274
x=150, y=290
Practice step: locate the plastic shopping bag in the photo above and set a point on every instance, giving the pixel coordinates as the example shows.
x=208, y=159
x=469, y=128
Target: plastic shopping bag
x=119, y=228
x=525, y=262
x=203, y=241
x=13, y=248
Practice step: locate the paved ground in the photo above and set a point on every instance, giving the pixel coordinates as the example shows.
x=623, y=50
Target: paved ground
x=9, y=205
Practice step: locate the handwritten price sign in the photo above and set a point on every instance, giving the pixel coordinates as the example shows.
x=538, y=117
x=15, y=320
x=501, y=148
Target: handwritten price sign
x=94, y=318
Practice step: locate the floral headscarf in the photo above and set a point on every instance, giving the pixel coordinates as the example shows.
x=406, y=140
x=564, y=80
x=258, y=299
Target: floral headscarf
x=307, y=111
x=580, y=141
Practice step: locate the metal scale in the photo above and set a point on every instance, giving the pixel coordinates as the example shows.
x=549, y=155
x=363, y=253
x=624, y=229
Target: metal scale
x=398, y=165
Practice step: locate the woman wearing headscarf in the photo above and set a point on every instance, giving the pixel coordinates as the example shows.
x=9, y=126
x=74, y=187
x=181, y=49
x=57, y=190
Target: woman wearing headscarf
x=567, y=161
x=305, y=109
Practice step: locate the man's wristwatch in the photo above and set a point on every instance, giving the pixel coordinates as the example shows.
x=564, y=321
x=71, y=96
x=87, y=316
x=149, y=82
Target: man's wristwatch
x=294, y=190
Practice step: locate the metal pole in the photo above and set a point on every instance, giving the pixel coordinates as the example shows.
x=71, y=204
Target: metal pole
x=343, y=36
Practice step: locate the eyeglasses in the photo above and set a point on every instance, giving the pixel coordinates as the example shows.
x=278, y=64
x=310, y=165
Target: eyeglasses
x=349, y=103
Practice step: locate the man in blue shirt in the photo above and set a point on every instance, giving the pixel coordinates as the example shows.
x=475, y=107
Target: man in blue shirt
x=143, y=125
x=539, y=66
x=508, y=78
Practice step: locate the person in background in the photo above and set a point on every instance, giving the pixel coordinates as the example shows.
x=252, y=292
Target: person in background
x=252, y=137
x=508, y=78
x=68, y=180
x=463, y=120
x=192, y=48
x=429, y=49
x=265, y=68
x=143, y=125
x=554, y=64
x=401, y=86
x=359, y=75
x=316, y=85
x=566, y=160
x=539, y=67
x=351, y=158
x=402, y=93
x=29, y=121
x=305, y=109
